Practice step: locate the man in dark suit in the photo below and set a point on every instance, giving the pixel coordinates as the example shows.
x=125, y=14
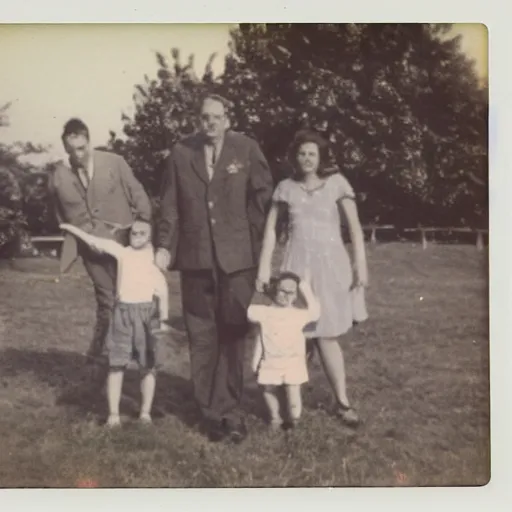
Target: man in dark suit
x=98, y=193
x=215, y=196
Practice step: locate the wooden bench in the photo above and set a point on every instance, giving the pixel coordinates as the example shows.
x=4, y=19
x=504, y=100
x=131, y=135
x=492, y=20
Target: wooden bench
x=45, y=241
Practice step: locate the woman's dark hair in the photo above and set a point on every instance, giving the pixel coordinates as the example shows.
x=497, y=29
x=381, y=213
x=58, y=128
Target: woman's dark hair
x=305, y=137
x=324, y=170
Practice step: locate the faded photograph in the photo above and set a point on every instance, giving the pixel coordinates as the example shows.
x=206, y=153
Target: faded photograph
x=248, y=255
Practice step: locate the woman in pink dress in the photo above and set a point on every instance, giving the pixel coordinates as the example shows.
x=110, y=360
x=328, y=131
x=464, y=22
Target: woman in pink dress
x=314, y=245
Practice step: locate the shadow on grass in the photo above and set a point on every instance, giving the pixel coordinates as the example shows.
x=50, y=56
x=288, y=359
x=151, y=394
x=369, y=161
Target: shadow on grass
x=177, y=323
x=80, y=387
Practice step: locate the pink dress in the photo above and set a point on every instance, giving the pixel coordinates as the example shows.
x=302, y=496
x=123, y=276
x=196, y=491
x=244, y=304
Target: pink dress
x=315, y=242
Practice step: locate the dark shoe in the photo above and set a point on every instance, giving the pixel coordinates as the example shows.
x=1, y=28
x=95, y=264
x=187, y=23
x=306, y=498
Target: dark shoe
x=291, y=424
x=213, y=430
x=348, y=415
x=235, y=430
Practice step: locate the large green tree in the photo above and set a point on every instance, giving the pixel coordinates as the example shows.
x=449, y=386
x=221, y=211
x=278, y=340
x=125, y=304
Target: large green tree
x=164, y=112
x=400, y=103
x=24, y=203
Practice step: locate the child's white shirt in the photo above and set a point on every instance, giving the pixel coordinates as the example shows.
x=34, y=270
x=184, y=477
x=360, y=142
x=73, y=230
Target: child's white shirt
x=281, y=330
x=138, y=278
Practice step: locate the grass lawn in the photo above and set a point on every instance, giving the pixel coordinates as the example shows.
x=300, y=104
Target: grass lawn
x=417, y=372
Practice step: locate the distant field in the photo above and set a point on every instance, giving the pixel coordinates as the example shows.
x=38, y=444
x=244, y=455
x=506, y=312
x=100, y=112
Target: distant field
x=417, y=372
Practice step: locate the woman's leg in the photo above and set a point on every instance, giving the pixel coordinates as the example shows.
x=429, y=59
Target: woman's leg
x=334, y=367
x=333, y=362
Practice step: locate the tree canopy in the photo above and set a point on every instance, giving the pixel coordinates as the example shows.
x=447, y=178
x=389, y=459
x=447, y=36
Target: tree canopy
x=401, y=105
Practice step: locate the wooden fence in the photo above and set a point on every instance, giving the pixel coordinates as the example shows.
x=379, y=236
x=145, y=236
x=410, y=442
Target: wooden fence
x=372, y=229
x=425, y=231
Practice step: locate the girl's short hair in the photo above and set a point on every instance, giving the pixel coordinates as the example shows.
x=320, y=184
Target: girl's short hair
x=310, y=136
x=287, y=275
x=271, y=289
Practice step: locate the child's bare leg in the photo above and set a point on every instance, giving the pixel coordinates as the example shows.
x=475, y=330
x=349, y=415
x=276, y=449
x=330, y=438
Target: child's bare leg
x=114, y=387
x=272, y=402
x=147, y=389
x=294, y=402
x=162, y=296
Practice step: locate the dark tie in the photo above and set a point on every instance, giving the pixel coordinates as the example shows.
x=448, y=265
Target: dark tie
x=84, y=176
x=214, y=154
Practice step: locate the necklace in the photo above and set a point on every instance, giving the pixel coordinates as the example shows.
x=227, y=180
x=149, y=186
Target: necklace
x=311, y=190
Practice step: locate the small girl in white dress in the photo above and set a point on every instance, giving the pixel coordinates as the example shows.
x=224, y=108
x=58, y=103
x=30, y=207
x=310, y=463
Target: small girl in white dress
x=279, y=358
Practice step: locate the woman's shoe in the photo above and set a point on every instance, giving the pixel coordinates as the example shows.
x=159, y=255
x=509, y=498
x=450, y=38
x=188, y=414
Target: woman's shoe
x=348, y=415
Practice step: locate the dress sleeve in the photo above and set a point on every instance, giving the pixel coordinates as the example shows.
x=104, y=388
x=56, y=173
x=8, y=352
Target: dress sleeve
x=343, y=188
x=281, y=192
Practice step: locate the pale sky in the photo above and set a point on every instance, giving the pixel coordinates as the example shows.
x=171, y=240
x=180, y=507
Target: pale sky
x=53, y=72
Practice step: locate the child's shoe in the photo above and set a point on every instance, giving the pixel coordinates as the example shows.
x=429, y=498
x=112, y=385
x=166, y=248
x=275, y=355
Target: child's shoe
x=348, y=415
x=145, y=418
x=113, y=421
x=275, y=425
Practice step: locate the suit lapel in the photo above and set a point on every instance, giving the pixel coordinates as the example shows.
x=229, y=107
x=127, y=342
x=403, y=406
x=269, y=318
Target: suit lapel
x=100, y=180
x=76, y=182
x=199, y=161
x=225, y=158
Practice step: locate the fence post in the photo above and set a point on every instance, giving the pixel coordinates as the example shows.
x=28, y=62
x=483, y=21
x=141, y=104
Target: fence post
x=479, y=240
x=373, y=237
x=423, y=238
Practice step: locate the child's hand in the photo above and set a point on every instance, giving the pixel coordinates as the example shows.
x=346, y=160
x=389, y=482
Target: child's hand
x=164, y=327
x=96, y=248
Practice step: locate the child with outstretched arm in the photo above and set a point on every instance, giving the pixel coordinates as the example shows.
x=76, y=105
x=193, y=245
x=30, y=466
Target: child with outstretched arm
x=279, y=358
x=132, y=335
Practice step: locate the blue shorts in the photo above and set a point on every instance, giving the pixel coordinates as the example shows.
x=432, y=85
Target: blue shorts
x=132, y=335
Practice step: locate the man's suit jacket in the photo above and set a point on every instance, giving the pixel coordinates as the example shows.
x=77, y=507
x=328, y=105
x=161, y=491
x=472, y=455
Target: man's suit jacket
x=223, y=217
x=113, y=198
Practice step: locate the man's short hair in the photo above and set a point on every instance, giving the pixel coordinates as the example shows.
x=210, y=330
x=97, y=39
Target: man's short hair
x=75, y=126
x=228, y=105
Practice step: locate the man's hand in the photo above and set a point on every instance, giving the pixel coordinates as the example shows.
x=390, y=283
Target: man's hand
x=162, y=259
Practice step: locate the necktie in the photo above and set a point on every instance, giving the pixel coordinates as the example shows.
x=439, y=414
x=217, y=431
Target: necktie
x=84, y=176
x=213, y=159
x=214, y=154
